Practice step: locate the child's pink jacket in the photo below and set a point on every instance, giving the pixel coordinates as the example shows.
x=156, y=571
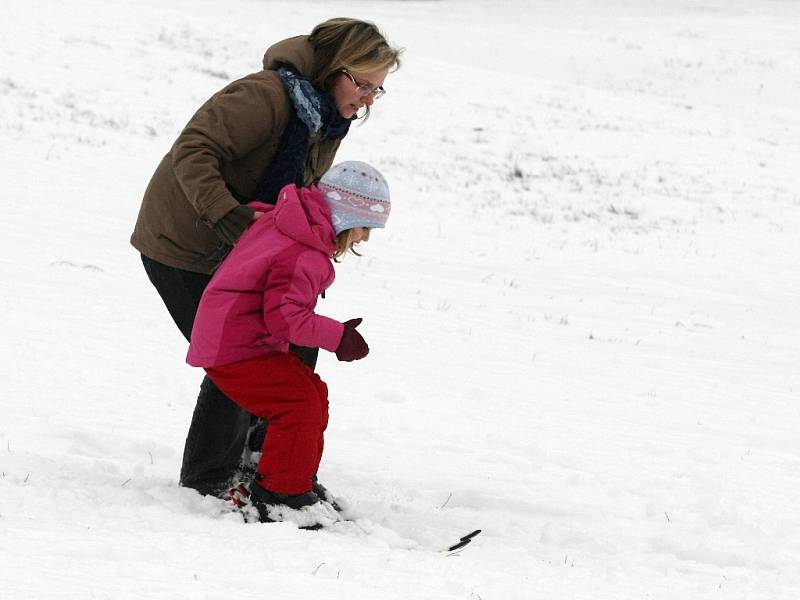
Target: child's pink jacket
x=263, y=295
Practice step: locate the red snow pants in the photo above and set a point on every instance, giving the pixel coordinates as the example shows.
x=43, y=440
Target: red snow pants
x=280, y=388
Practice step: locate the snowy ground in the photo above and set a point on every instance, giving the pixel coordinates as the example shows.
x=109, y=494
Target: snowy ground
x=583, y=315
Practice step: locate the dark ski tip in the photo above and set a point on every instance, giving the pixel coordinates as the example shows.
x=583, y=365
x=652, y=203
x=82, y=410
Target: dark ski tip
x=463, y=541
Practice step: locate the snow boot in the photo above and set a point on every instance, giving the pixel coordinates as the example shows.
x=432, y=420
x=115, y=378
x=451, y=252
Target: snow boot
x=322, y=492
x=305, y=510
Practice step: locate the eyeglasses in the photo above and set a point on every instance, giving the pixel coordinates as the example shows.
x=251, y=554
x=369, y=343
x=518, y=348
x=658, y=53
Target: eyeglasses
x=364, y=89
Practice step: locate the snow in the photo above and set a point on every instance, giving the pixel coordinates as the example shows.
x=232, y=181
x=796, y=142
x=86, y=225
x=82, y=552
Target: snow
x=582, y=315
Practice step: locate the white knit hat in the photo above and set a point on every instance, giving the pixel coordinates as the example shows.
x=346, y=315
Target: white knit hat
x=357, y=195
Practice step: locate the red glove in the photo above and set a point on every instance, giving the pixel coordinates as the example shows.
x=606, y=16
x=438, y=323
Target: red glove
x=352, y=347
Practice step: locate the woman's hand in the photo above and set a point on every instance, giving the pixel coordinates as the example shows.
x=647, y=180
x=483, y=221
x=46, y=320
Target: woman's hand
x=257, y=214
x=230, y=227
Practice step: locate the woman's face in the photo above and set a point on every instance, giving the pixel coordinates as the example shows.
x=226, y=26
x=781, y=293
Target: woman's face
x=355, y=89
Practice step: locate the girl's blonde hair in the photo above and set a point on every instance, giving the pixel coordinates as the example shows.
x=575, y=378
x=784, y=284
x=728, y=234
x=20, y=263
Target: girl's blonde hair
x=344, y=43
x=344, y=244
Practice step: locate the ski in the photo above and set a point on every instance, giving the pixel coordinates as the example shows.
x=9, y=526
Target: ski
x=239, y=497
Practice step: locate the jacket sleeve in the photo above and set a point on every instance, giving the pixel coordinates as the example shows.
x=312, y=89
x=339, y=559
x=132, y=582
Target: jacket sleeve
x=230, y=125
x=289, y=300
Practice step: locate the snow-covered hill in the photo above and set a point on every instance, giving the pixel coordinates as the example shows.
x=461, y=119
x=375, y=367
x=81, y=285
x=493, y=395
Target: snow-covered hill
x=583, y=314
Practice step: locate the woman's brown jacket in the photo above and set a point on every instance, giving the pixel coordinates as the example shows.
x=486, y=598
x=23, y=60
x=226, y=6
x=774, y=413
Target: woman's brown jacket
x=226, y=147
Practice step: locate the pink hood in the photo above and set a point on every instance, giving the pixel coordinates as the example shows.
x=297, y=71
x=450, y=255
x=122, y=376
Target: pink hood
x=263, y=295
x=303, y=215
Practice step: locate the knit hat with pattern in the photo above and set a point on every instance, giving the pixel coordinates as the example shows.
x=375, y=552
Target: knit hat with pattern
x=357, y=195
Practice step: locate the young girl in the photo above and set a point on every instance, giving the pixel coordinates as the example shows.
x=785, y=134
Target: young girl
x=262, y=298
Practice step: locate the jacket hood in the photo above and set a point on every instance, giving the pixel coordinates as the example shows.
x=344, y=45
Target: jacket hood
x=295, y=51
x=303, y=215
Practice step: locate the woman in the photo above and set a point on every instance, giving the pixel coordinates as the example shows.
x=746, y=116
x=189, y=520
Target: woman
x=279, y=126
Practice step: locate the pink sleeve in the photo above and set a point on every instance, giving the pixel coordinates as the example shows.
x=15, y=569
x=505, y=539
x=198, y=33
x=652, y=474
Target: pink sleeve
x=293, y=285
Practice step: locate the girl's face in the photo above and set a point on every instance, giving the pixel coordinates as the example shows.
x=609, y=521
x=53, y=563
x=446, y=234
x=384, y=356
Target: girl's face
x=354, y=90
x=358, y=235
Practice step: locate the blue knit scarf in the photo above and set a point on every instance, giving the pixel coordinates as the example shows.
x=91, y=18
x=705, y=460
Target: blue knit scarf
x=314, y=112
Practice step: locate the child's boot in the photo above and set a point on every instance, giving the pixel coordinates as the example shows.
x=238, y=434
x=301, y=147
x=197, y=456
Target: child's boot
x=305, y=510
x=324, y=495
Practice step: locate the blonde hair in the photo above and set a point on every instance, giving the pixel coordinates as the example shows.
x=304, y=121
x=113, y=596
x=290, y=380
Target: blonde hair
x=344, y=43
x=344, y=244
